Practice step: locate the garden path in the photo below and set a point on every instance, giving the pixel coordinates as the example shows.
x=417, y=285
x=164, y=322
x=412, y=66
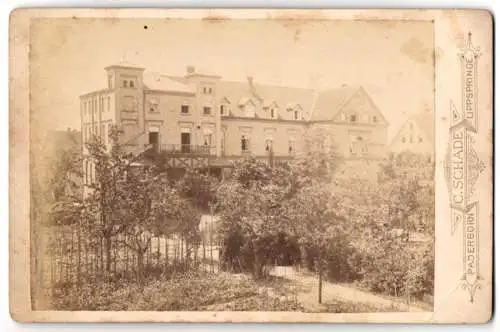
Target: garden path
x=308, y=293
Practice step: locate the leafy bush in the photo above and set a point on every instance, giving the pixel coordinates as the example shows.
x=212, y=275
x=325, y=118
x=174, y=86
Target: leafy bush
x=398, y=268
x=342, y=261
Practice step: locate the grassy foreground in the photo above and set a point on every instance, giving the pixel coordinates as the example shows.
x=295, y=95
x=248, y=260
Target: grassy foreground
x=190, y=292
x=199, y=291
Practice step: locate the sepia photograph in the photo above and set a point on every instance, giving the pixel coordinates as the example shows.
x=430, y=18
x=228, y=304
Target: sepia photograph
x=183, y=172
x=229, y=165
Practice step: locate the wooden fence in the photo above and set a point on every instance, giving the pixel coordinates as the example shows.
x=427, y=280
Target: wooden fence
x=68, y=257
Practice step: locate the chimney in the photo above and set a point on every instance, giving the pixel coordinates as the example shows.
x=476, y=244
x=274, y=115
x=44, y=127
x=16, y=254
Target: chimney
x=190, y=70
x=252, y=89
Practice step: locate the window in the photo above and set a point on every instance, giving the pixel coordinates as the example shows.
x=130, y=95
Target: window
x=374, y=119
x=221, y=109
x=207, y=140
x=209, y=91
x=291, y=146
x=420, y=140
x=109, y=103
x=403, y=140
x=296, y=115
x=207, y=110
x=204, y=90
x=272, y=113
x=131, y=84
x=125, y=83
x=109, y=128
x=269, y=145
x=245, y=144
x=353, y=118
x=411, y=139
x=184, y=109
x=110, y=81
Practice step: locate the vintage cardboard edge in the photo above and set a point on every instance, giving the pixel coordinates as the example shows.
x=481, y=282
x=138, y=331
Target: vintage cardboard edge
x=448, y=292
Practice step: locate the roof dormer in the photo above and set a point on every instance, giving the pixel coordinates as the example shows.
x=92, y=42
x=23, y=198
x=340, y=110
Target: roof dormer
x=271, y=109
x=247, y=106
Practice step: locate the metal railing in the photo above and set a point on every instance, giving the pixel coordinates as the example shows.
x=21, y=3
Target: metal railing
x=186, y=148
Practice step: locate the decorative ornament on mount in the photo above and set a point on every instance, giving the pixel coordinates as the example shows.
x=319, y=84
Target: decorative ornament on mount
x=462, y=168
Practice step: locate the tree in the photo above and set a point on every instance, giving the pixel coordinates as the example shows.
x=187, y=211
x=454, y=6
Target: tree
x=250, y=208
x=255, y=204
x=314, y=211
x=104, y=206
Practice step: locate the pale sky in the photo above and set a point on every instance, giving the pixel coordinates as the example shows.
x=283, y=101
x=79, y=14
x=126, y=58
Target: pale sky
x=392, y=60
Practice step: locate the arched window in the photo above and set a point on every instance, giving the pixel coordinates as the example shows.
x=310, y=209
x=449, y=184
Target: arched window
x=131, y=84
x=272, y=112
x=296, y=115
x=125, y=83
x=420, y=140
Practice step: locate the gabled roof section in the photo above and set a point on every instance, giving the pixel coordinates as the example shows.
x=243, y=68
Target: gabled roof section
x=425, y=121
x=159, y=82
x=245, y=100
x=329, y=102
x=225, y=100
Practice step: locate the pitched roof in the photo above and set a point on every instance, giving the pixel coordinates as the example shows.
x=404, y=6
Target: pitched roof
x=265, y=95
x=329, y=102
x=159, y=82
x=425, y=121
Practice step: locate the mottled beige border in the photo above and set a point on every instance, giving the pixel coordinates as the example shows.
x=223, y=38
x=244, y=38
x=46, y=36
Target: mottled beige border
x=451, y=302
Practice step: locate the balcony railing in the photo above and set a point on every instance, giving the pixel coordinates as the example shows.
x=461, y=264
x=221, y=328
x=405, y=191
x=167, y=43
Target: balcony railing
x=186, y=149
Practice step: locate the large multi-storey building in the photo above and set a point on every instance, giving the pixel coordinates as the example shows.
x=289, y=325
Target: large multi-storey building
x=201, y=114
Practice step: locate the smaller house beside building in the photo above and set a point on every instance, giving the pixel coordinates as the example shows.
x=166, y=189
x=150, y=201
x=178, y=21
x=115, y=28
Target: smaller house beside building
x=416, y=136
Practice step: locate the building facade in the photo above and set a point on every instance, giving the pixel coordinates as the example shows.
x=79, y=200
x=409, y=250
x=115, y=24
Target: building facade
x=200, y=113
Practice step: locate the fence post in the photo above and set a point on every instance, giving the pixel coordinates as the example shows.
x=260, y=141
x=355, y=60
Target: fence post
x=158, y=254
x=166, y=254
x=116, y=257
x=60, y=258
x=320, y=284
x=79, y=253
